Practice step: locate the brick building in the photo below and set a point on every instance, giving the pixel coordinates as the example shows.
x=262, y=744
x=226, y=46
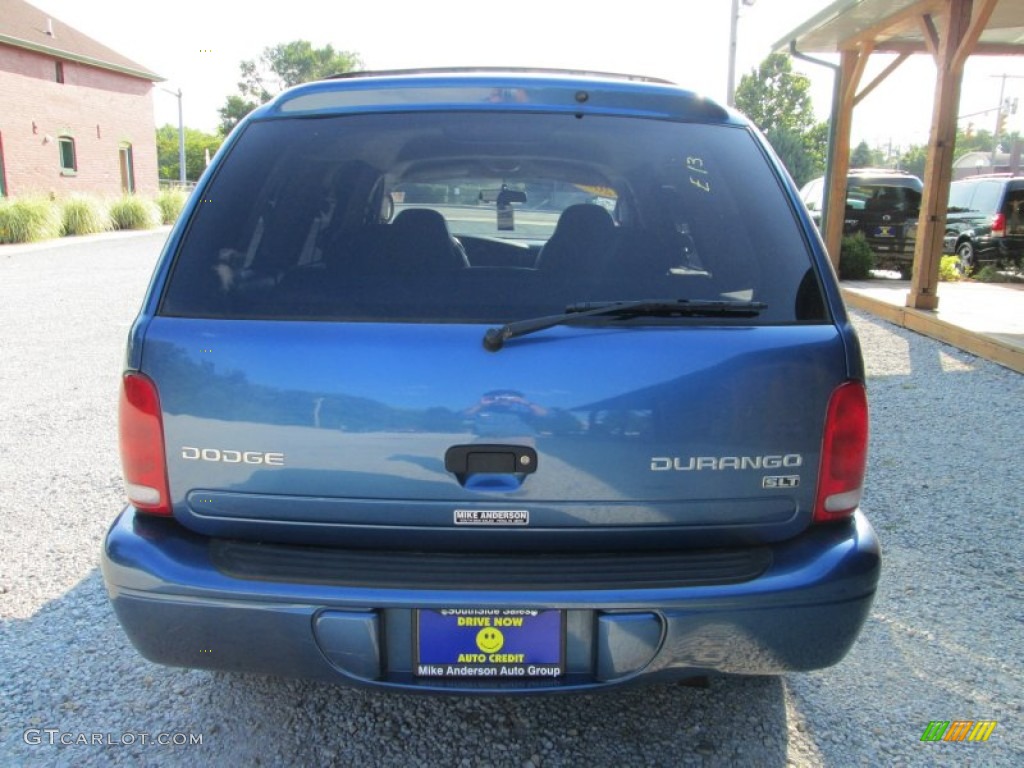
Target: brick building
x=75, y=116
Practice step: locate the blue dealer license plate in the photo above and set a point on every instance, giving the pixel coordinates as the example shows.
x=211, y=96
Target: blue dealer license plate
x=491, y=643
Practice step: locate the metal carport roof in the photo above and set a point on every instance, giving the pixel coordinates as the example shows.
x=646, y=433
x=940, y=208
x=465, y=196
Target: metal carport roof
x=895, y=27
x=948, y=30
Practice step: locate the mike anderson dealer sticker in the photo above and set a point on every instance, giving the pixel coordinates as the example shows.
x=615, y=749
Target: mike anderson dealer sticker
x=492, y=517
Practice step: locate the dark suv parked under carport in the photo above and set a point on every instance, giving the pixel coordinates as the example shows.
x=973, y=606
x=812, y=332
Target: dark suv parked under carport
x=985, y=221
x=882, y=204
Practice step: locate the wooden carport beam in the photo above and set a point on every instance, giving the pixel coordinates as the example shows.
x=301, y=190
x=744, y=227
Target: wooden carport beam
x=930, y=34
x=961, y=34
x=973, y=34
x=851, y=69
x=881, y=76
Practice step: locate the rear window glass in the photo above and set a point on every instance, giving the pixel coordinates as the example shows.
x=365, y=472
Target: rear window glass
x=960, y=197
x=879, y=196
x=487, y=217
x=988, y=196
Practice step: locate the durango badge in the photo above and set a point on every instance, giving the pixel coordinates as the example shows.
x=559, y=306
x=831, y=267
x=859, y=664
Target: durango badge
x=718, y=463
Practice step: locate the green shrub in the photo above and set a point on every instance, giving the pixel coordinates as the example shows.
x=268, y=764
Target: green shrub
x=28, y=220
x=855, y=258
x=170, y=202
x=84, y=216
x=950, y=269
x=990, y=274
x=131, y=212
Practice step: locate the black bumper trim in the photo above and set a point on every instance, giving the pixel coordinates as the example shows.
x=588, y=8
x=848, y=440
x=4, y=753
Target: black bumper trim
x=456, y=570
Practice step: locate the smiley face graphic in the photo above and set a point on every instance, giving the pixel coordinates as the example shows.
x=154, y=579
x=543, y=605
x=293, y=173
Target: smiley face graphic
x=489, y=640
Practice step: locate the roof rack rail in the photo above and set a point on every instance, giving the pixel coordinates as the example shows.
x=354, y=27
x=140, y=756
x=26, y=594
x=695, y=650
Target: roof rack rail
x=880, y=170
x=993, y=175
x=499, y=70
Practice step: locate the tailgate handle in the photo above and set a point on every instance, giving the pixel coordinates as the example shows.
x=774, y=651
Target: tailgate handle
x=485, y=459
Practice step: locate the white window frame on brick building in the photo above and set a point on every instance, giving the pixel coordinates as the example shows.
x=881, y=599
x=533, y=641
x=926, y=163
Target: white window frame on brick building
x=63, y=143
x=3, y=173
x=127, y=165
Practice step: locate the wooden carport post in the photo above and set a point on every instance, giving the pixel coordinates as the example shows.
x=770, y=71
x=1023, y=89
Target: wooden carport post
x=851, y=67
x=950, y=54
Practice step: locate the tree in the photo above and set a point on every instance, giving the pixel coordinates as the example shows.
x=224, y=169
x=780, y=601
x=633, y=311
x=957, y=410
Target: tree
x=197, y=143
x=816, y=144
x=791, y=148
x=913, y=160
x=975, y=141
x=773, y=96
x=778, y=101
x=235, y=108
x=279, y=67
x=982, y=141
x=862, y=156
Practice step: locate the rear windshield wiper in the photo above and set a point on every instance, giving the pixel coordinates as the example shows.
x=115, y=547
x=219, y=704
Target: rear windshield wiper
x=495, y=338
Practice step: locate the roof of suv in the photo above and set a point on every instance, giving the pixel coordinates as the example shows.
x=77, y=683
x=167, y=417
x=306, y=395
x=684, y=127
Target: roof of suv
x=888, y=176
x=1007, y=177
x=506, y=88
x=497, y=70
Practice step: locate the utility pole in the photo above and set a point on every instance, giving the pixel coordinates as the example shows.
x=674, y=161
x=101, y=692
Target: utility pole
x=181, y=143
x=1005, y=107
x=734, y=18
x=181, y=136
x=999, y=120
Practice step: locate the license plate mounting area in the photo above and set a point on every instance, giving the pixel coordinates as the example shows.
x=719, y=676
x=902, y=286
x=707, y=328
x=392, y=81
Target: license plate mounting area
x=496, y=643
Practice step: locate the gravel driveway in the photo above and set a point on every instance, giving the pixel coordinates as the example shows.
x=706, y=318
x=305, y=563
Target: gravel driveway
x=944, y=642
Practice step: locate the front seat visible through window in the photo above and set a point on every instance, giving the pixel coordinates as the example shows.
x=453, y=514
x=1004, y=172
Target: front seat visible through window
x=575, y=260
x=419, y=242
x=581, y=242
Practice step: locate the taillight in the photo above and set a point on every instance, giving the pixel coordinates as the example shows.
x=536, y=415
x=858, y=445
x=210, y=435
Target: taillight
x=844, y=454
x=142, y=445
x=999, y=225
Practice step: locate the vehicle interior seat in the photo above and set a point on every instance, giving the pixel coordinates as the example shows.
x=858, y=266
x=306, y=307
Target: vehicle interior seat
x=578, y=252
x=419, y=242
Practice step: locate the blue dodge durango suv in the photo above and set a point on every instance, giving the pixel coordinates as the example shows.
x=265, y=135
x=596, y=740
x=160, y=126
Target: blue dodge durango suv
x=493, y=381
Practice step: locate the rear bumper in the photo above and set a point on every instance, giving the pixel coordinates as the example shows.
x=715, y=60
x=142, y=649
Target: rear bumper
x=802, y=612
x=902, y=248
x=1008, y=249
x=900, y=243
x=894, y=246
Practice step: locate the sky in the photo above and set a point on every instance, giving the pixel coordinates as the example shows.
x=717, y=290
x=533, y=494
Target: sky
x=197, y=46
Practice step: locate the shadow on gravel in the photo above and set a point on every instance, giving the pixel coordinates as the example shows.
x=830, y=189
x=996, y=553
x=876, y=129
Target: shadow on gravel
x=735, y=721
x=69, y=667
